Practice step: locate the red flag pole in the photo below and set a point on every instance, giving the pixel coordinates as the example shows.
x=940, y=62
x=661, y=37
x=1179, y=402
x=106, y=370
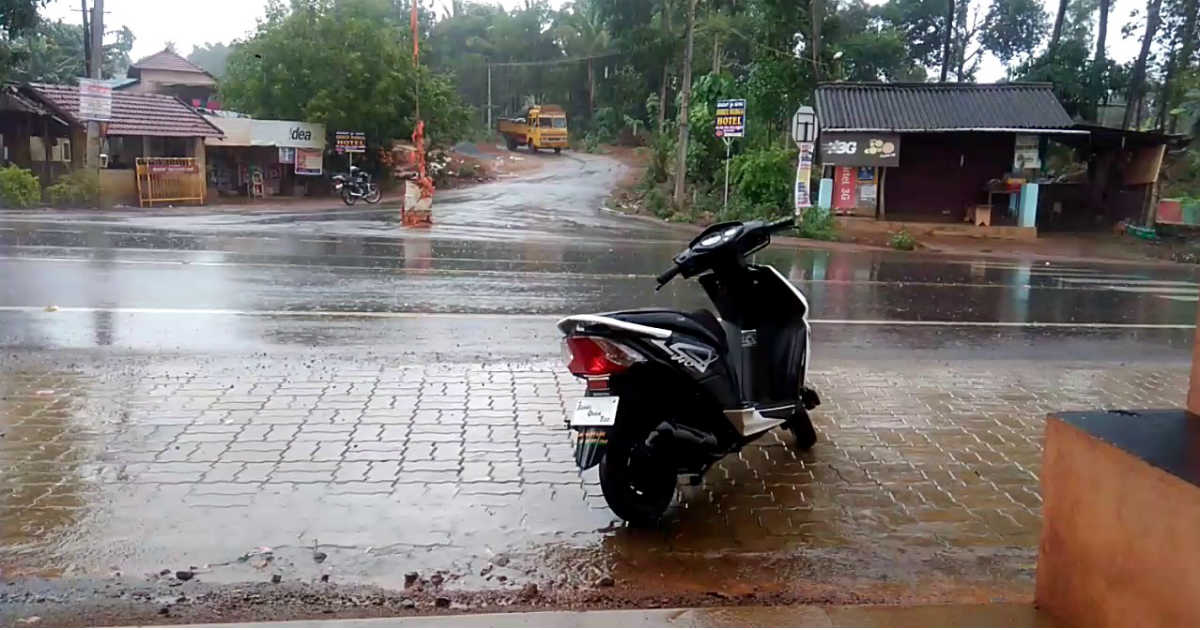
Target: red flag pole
x=423, y=182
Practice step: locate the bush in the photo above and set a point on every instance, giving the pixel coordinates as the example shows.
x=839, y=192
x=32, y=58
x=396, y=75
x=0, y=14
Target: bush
x=662, y=150
x=79, y=188
x=658, y=203
x=591, y=143
x=764, y=176
x=818, y=225
x=742, y=209
x=605, y=124
x=19, y=188
x=903, y=241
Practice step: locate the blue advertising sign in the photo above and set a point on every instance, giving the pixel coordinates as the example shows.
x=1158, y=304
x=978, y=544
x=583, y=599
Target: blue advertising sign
x=731, y=118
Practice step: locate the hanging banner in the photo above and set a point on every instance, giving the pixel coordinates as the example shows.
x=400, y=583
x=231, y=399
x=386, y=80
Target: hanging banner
x=308, y=162
x=95, y=100
x=350, y=142
x=287, y=155
x=845, y=187
x=731, y=118
x=804, y=176
x=1025, y=152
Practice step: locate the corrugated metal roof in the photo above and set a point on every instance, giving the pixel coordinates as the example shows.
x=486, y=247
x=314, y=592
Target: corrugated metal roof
x=938, y=107
x=166, y=60
x=134, y=114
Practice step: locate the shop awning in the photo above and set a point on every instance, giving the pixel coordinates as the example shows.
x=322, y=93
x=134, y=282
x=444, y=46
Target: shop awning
x=237, y=132
x=247, y=132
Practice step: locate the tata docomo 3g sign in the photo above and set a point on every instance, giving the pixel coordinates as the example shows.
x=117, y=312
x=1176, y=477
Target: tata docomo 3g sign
x=860, y=149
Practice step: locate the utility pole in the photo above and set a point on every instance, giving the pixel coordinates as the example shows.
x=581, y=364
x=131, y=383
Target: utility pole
x=489, y=99
x=685, y=98
x=87, y=39
x=97, y=38
x=97, y=46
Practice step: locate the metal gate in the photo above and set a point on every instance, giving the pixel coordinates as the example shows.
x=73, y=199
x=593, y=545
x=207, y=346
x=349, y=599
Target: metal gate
x=169, y=180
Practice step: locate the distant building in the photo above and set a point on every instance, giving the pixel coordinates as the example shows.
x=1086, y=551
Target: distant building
x=938, y=152
x=166, y=72
x=41, y=129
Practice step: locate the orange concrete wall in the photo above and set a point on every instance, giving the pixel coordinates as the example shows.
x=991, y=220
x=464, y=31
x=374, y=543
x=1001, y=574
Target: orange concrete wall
x=1120, y=539
x=118, y=186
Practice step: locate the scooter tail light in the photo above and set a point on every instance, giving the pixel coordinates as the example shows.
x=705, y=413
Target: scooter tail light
x=596, y=356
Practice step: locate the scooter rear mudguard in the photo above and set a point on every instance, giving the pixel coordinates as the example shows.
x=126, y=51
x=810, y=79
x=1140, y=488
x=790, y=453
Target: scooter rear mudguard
x=590, y=445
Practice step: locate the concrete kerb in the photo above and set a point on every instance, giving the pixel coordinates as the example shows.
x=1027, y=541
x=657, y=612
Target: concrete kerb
x=996, y=615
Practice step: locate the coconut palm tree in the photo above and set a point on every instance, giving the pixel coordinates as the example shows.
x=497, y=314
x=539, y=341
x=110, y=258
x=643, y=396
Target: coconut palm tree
x=583, y=34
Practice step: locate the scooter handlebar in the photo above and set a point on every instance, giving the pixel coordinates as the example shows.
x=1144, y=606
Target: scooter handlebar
x=781, y=225
x=666, y=276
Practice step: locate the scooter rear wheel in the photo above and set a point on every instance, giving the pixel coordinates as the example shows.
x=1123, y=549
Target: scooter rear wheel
x=637, y=486
x=802, y=429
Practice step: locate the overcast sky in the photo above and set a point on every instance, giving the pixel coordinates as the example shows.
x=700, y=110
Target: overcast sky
x=191, y=22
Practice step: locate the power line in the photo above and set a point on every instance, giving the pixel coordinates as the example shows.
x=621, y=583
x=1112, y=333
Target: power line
x=551, y=62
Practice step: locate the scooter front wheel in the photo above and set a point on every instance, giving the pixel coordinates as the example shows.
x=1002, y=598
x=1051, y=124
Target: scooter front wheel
x=637, y=486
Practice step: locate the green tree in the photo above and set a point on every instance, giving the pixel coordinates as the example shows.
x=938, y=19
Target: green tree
x=340, y=63
x=583, y=34
x=872, y=48
x=212, y=57
x=1180, y=32
x=16, y=18
x=1015, y=28
x=1137, y=81
x=922, y=26
x=53, y=53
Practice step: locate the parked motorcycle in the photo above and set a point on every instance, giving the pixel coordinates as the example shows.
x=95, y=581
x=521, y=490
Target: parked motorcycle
x=669, y=393
x=356, y=185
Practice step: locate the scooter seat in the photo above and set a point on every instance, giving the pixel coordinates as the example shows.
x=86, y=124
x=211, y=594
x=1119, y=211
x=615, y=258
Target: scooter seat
x=701, y=324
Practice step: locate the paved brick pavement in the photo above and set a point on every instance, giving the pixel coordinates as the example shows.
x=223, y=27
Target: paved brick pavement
x=140, y=464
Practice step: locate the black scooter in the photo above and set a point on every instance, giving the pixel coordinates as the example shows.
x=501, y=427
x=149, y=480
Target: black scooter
x=671, y=393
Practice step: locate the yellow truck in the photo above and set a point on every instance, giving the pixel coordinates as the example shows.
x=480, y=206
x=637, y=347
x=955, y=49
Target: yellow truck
x=542, y=127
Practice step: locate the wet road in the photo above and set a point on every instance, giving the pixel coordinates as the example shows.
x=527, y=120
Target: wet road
x=181, y=389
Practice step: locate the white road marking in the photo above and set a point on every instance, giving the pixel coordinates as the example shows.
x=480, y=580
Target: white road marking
x=131, y=310
x=1133, y=282
x=1162, y=291
x=1092, y=284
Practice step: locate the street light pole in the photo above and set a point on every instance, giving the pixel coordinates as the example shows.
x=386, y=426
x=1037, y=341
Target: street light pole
x=489, y=98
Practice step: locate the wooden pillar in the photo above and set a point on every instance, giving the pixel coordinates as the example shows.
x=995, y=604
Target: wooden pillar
x=1193, y=398
x=47, y=152
x=198, y=152
x=881, y=213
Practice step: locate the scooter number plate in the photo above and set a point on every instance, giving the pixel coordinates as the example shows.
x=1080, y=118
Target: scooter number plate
x=596, y=411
